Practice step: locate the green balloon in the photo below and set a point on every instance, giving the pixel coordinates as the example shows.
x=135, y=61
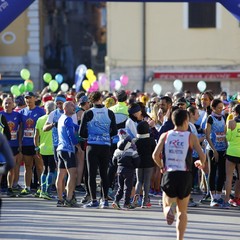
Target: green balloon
x=21, y=88
x=15, y=91
x=53, y=85
x=47, y=77
x=28, y=86
x=25, y=74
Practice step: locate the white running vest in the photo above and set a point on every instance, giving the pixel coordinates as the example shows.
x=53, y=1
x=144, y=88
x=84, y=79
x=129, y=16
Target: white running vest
x=176, y=150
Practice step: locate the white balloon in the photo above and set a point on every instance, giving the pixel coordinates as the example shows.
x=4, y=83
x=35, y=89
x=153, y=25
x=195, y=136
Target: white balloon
x=157, y=88
x=201, y=86
x=64, y=87
x=118, y=85
x=178, y=84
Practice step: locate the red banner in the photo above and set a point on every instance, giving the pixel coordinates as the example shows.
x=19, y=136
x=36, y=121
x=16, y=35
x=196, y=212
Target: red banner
x=196, y=75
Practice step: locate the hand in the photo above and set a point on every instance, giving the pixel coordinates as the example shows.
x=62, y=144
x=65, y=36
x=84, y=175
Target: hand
x=215, y=156
x=199, y=164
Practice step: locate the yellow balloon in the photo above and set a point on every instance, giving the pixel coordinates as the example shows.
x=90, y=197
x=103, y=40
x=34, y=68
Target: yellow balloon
x=89, y=73
x=92, y=78
x=86, y=85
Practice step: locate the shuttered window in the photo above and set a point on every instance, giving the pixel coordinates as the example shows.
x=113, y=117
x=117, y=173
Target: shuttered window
x=202, y=15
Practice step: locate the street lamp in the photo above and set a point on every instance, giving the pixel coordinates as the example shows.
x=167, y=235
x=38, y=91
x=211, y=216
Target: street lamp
x=94, y=53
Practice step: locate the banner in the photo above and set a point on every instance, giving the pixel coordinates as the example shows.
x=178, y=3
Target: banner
x=10, y=10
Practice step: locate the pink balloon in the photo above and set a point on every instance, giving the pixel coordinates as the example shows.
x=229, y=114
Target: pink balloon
x=91, y=89
x=124, y=80
x=103, y=79
x=95, y=86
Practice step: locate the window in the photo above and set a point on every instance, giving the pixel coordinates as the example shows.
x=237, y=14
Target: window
x=202, y=15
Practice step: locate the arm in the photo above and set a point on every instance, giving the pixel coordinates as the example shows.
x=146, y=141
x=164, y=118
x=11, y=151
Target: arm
x=6, y=129
x=157, y=153
x=196, y=145
x=69, y=129
x=87, y=116
x=113, y=126
x=7, y=152
x=49, y=123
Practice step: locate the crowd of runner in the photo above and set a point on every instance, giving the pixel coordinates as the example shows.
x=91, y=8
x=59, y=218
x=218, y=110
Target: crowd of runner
x=65, y=140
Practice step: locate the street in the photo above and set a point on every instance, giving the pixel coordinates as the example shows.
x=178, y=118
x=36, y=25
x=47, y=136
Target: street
x=34, y=218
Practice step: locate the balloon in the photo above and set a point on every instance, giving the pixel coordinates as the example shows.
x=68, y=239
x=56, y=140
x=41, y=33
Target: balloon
x=64, y=87
x=178, y=84
x=89, y=73
x=15, y=90
x=25, y=74
x=28, y=85
x=86, y=85
x=91, y=89
x=59, y=78
x=53, y=85
x=92, y=78
x=117, y=85
x=21, y=88
x=95, y=86
x=124, y=80
x=47, y=77
x=103, y=79
x=201, y=86
x=112, y=84
x=81, y=69
x=157, y=88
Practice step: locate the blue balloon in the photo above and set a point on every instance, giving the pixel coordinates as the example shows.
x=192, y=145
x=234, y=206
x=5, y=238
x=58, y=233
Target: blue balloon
x=59, y=78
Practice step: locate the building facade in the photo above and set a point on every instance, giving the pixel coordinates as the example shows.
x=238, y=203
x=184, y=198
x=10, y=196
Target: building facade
x=159, y=42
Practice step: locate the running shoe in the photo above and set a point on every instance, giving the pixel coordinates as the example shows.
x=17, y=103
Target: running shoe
x=214, y=203
x=25, y=192
x=135, y=201
x=171, y=213
x=225, y=205
x=235, y=202
x=17, y=188
x=60, y=203
x=85, y=199
x=37, y=194
x=206, y=199
x=104, y=204
x=92, y=204
x=46, y=195
x=146, y=205
x=128, y=207
x=116, y=205
x=10, y=193
x=220, y=201
x=72, y=203
x=191, y=203
x=151, y=192
x=157, y=194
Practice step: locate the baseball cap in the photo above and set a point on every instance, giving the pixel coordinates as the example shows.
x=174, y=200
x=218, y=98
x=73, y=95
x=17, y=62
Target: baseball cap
x=83, y=99
x=29, y=94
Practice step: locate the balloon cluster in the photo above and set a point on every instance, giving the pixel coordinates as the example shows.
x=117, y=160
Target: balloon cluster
x=56, y=82
x=27, y=86
x=117, y=84
x=90, y=84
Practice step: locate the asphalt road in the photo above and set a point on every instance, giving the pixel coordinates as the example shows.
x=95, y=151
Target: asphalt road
x=34, y=218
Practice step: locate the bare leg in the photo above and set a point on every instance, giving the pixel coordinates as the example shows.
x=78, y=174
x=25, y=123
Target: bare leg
x=167, y=202
x=80, y=165
x=39, y=166
x=28, y=164
x=229, y=176
x=181, y=223
x=59, y=182
x=19, y=158
x=71, y=182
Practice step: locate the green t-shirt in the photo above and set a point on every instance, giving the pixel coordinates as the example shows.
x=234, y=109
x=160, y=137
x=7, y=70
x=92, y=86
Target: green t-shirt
x=46, y=144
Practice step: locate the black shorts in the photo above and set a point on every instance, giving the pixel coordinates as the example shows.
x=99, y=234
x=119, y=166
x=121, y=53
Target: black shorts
x=15, y=150
x=28, y=150
x=177, y=184
x=233, y=159
x=66, y=159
